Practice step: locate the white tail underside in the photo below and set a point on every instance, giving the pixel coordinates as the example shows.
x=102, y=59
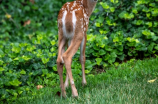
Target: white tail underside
x=67, y=34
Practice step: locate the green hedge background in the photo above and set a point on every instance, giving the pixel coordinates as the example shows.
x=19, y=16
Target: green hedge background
x=118, y=31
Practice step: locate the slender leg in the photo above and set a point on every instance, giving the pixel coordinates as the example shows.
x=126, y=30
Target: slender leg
x=60, y=72
x=67, y=77
x=82, y=59
x=67, y=56
x=60, y=63
x=66, y=81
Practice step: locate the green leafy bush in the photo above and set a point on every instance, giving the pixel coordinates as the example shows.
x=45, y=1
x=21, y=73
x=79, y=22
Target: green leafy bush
x=130, y=27
x=27, y=64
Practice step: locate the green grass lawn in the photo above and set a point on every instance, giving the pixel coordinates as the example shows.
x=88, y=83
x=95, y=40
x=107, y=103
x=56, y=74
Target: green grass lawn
x=124, y=84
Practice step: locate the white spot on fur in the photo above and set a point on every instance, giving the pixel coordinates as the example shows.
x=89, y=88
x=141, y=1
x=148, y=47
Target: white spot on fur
x=72, y=82
x=84, y=29
x=62, y=59
x=81, y=47
x=67, y=81
x=74, y=20
x=63, y=22
x=69, y=42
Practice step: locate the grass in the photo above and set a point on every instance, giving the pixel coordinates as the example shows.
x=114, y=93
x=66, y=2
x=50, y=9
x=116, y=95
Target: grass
x=124, y=84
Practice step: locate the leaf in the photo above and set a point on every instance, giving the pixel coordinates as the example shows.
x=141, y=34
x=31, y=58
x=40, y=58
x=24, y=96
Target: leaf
x=111, y=60
x=1, y=69
x=96, y=47
x=152, y=4
x=152, y=81
x=113, y=54
x=116, y=64
x=7, y=59
x=55, y=68
x=98, y=24
x=91, y=37
x=16, y=49
x=45, y=60
x=1, y=53
x=126, y=15
x=15, y=82
x=134, y=10
x=8, y=16
x=154, y=37
x=87, y=71
x=100, y=19
x=148, y=15
x=54, y=54
x=26, y=58
x=1, y=62
x=53, y=42
x=45, y=71
x=122, y=14
x=90, y=75
x=39, y=37
x=104, y=5
x=114, y=1
x=154, y=12
x=121, y=57
x=98, y=60
x=88, y=65
x=151, y=46
x=22, y=72
x=156, y=47
x=20, y=92
x=102, y=52
x=116, y=39
x=30, y=48
x=105, y=64
x=36, y=65
x=138, y=22
x=149, y=24
x=27, y=8
x=103, y=32
x=112, y=9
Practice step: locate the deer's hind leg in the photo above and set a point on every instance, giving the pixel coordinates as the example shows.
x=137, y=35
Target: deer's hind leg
x=67, y=56
x=66, y=84
x=60, y=61
x=83, y=58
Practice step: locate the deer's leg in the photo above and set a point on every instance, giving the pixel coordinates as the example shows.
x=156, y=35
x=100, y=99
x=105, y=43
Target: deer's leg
x=67, y=56
x=82, y=59
x=67, y=77
x=60, y=63
x=66, y=81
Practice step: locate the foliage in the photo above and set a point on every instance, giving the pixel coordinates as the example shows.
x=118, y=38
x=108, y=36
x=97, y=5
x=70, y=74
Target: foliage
x=28, y=41
x=130, y=28
x=127, y=83
x=20, y=18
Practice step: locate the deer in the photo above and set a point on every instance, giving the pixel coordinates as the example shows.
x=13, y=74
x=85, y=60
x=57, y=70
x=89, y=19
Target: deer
x=73, y=20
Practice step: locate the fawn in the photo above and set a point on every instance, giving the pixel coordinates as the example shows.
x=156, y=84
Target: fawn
x=73, y=20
